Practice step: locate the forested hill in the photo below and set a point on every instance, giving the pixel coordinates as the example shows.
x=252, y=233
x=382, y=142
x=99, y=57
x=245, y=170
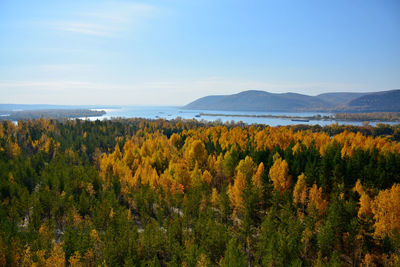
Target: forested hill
x=290, y=102
x=337, y=99
x=258, y=101
x=135, y=192
x=387, y=101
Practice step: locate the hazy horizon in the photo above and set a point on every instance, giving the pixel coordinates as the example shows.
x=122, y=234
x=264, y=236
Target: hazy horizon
x=169, y=53
x=155, y=105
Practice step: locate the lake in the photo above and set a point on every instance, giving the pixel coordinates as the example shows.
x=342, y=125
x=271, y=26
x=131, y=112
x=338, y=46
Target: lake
x=168, y=113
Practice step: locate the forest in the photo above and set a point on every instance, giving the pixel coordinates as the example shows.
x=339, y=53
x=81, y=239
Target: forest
x=49, y=114
x=379, y=117
x=136, y=192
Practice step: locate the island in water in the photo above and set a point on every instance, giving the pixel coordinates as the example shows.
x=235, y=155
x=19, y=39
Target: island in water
x=49, y=113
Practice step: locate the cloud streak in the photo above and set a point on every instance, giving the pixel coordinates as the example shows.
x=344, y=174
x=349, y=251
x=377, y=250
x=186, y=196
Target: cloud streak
x=86, y=28
x=107, y=20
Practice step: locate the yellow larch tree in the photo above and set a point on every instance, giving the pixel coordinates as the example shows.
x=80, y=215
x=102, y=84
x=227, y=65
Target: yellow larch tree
x=75, y=260
x=197, y=153
x=215, y=197
x=195, y=176
x=246, y=167
x=180, y=172
x=296, y=148
x=386, y=211
x=207, y=177
x=235, y=192
x=12, y=149
x=316, y=201
x=368, y=261
x=146, y=174
x=261, y=139
x=131, y=155
x=256, y=180
x=365, y=201
x=175, y=140
x=203, y=261
x=57, y=257
x=117, y=152
x=40, y=256
x=300, y=190
x=279, y=174
x=26, y=258
x=219, y=170
x=167, y=183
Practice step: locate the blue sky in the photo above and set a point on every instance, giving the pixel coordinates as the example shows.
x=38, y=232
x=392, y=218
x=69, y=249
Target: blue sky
x=171, y=52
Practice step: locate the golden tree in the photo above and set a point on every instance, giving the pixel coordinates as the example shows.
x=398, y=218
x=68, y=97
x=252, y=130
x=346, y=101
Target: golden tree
x=315, y=199
x=175, y=139
x=300, y=190
x=365, y=201
x=235, y=192
x=195, y=176
x=215, y=197
x=12, y=149
x=117, y=152
x=75, y=260
x=256, y=180
x=197, y=153
x=207, y=177
x=57, y=257
x=386, y=211
x=279, y=174
x=147, y=175
x=246, y=167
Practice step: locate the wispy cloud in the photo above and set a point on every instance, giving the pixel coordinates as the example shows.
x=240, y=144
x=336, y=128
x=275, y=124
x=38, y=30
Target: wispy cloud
x=106, y=20
x=86, y=28
x=63, y=68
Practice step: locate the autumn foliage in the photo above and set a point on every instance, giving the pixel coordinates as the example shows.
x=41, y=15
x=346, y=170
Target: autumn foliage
x=279, y=174
x=186, y=193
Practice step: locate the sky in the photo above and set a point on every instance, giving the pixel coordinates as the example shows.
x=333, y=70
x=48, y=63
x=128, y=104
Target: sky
x=172, y=52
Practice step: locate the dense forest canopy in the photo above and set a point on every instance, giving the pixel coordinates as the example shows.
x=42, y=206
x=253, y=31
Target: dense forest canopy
x=138, y=192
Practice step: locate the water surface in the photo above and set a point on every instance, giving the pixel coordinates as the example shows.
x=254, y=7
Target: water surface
x=168, y=113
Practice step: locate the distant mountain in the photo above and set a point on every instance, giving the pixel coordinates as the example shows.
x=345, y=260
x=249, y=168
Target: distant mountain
x=339, y=98
x=385, y=101
x=262, y=101
x=205, y=102
x=258, y=101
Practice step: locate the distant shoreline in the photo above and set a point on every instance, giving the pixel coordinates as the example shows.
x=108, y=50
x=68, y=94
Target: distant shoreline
x=356, y=117
x=50, y=114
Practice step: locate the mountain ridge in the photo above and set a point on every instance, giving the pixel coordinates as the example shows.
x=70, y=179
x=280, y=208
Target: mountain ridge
x=258, y=100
